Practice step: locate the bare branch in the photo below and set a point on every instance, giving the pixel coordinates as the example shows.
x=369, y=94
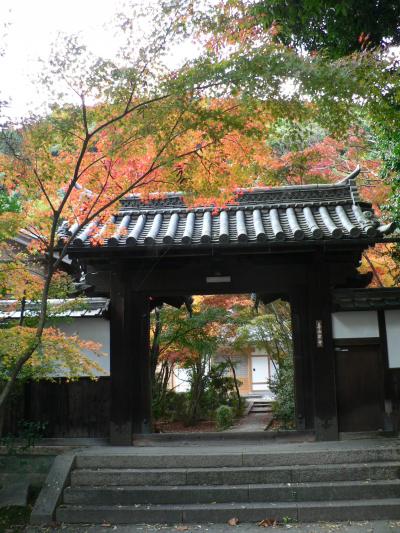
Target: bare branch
x=43, y=189
x=375, y=272
x=84, y=114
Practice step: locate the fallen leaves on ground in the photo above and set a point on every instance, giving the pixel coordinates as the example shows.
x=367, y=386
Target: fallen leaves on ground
x=267, y=522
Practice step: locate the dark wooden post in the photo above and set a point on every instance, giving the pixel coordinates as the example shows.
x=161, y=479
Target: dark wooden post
x=142, y=396
x=391, y=381
x=322, y=351
x=303, y=384
x=129, y=363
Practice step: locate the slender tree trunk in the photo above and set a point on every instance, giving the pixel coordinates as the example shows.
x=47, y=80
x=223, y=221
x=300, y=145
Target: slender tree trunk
x=155, y=348
x=374, y=271
x=22, y=313
x=2, y=420
x=235, y=381
x=167, y=375
x=197, y=391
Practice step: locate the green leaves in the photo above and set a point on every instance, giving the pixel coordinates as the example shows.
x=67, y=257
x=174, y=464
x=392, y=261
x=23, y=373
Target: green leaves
x=337, y=28
x=9, y=202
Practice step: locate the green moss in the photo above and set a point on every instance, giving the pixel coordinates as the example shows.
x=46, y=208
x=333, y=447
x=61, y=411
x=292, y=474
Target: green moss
x=14, y=519
x=26, y=464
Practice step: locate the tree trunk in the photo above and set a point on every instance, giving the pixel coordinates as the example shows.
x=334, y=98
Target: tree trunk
x=167, y=376
x=2, y=419
x=155, y=347
x=232, y=367
x=5, y=393
x=196, y=392
x=22, y=314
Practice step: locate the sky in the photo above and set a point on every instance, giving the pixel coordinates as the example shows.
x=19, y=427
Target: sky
x=32, y=26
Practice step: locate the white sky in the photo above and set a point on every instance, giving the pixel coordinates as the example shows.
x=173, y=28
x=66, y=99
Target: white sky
x=34, y=25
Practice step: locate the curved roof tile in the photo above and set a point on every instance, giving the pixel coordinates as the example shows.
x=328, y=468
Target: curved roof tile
x=259, y=216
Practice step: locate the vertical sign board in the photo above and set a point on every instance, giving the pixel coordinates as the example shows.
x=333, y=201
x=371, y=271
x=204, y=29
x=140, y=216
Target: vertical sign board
x=392, y=319
x=319, y=333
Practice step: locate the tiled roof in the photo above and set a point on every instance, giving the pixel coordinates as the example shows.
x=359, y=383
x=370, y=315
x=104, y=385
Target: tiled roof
x=261, y=215
x=366, y=299
x=82, y=307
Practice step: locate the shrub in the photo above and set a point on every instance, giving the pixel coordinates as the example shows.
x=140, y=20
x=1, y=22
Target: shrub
x=172, y=406
x=238, y=407
x=219, y=389
x=224, y=417
x=208, y=391
x=26, y=437
x=282, y=385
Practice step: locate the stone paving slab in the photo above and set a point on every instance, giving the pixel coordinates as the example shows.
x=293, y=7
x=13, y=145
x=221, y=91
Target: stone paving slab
x=376, y=526
x=254, y=421
x=244, y=447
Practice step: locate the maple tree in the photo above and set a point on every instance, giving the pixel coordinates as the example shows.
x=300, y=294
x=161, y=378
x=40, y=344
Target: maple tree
x=203, y=343
x=114, y=128
x=132, y=124
x=270, y=330
x=338, y=74
x=191, y=340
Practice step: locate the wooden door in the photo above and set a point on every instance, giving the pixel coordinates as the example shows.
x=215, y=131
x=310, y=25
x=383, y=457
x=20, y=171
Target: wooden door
x=359, y=388
x=259, y=366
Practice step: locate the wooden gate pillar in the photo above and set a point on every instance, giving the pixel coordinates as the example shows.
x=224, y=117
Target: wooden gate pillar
x=322, y=351
x=303, y=382
x=129, y=363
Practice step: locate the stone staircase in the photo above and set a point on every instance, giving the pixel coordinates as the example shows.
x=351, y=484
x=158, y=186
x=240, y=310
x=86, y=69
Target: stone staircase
x=304, y=483
x=261, y=406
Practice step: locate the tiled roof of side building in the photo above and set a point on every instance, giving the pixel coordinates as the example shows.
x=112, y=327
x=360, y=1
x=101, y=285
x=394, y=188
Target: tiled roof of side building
x=72, y=307
x=366, y=299
x=261, y=215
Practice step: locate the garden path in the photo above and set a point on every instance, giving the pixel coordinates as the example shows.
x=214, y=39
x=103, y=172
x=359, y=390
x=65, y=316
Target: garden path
x=253, y=421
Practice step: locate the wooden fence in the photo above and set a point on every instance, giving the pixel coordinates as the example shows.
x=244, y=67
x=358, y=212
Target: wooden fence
x=70, y=409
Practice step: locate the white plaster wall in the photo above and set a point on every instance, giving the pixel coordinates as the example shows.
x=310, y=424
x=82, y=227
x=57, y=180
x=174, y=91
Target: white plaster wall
x=92, y=329
x=355, y=325
x=180, y=381
x=392, y=319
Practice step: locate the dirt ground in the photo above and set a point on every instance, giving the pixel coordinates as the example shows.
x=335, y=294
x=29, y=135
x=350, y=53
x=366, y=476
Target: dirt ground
x=179, y=427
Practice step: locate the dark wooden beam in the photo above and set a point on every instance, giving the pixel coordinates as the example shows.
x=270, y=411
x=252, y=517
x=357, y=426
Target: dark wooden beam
x=179, y=276
x=303, y=379
x=142, y=396
x=391, y=381
x=233, y=275
x=129, y=362
x=322, y=350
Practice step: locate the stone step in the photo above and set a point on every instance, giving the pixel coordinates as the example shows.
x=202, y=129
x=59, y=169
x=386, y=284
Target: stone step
x=222, y=438
x=189, y=459
x=187, y=494
x=222, y=512
x=235, y=476
x=262, y=404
